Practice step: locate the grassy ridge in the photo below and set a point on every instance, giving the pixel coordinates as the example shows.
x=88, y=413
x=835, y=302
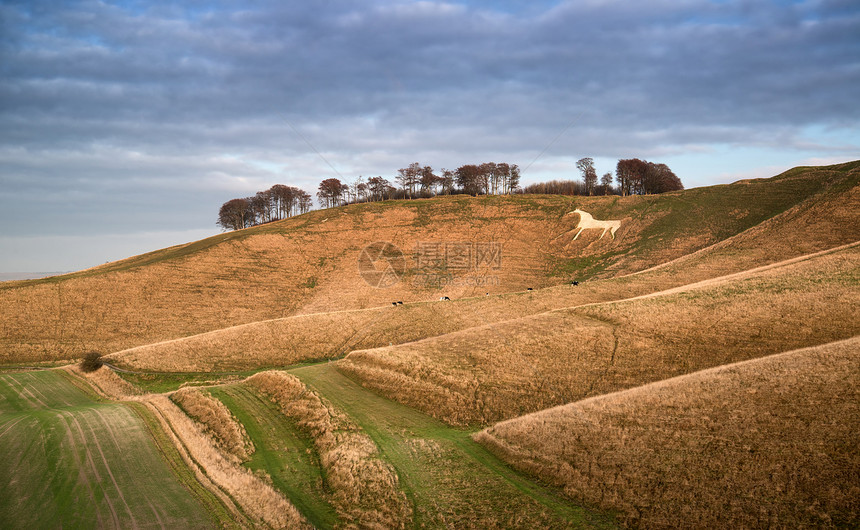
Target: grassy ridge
x=282, y=452
x=451, y=481
x=66, y=462
x=364, y=488
x=767, y=442
x=499, y=371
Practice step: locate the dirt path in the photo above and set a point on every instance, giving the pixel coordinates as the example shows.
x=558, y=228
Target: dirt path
x=240, y=326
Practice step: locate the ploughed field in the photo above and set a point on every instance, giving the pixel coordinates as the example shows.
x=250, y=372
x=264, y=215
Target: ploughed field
x=70, y=460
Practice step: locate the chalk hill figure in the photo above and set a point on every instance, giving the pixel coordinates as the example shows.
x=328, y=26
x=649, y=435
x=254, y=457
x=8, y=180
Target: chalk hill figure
x=587, y=221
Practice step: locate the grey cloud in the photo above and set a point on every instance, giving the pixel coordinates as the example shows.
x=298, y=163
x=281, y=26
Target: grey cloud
x=200, y=100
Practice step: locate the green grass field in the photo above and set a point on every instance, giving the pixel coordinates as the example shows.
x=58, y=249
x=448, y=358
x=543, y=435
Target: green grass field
x=70, y=461
x=281, y=451
x=451, y=481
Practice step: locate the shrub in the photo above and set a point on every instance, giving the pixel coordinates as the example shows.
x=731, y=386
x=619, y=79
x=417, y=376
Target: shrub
x=92, y=362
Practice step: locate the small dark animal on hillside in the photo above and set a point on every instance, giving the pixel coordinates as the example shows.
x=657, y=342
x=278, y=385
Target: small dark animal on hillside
x=444, y=298
x=574, y=282
x=529, y=289
x=393, y=303
x=399, y=302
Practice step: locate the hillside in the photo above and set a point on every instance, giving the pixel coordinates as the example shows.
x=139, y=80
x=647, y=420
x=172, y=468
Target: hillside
x=770, y=442
x=260, y=372
x=498, y=371
x=309, y=264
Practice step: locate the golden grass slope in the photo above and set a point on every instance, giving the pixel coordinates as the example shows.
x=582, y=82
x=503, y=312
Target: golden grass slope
x=331, y=335
x=825, y=220
x=499, y=371
x=365, y=488
x=106, y=383
x=221, y=473
x=291, y=340
x=216, y=418
x=309, y=263
x=770, y=442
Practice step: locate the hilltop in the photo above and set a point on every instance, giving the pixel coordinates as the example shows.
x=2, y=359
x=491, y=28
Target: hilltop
x=309, y=264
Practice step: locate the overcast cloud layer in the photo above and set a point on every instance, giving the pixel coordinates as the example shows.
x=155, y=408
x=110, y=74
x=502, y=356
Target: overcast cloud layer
x=132, y=122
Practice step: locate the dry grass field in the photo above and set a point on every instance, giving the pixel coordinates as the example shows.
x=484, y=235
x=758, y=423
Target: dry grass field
x=770, y=442
x=325, y=336
x=249, y=494
x=365, y=488
x=330, y=335
x=499, y=371
x=658, y=389
x=229, y=434
x=308, y=264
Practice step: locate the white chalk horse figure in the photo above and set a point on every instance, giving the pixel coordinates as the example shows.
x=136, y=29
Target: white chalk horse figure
x=587, y=221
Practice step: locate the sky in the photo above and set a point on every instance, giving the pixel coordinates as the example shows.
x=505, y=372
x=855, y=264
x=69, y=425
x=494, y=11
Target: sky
x=125, y=125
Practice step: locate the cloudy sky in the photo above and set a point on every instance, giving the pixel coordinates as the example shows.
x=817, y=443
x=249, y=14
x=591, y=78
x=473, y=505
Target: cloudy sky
x=125, y=125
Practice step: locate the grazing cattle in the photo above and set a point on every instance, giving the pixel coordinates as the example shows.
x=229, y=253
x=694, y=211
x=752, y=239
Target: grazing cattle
x=488, y=294
x=399, y=302
x=574, y=282
x=444, y=298
x=393, y=303
x=529, y=289
x=587, y=221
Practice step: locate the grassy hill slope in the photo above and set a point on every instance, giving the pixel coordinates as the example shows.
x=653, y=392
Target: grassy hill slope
x=310, y=263
x=768, y=442
x=498, y=371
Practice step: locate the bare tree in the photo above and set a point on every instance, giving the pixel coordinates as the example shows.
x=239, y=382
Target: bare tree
x=409, y=177
x=589, y=174
x=429, y=181
x=507, y=178
x=658, y=178
x=629, y=174
x=305, y=201
x=556, y=187
x=379, y=188
x=261, y=205
x=354, y=188
x=447, y=181
x=282, y=200
x=606, y=182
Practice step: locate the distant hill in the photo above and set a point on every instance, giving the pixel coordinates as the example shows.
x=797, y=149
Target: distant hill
x=310, y=263
x=15, y=276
